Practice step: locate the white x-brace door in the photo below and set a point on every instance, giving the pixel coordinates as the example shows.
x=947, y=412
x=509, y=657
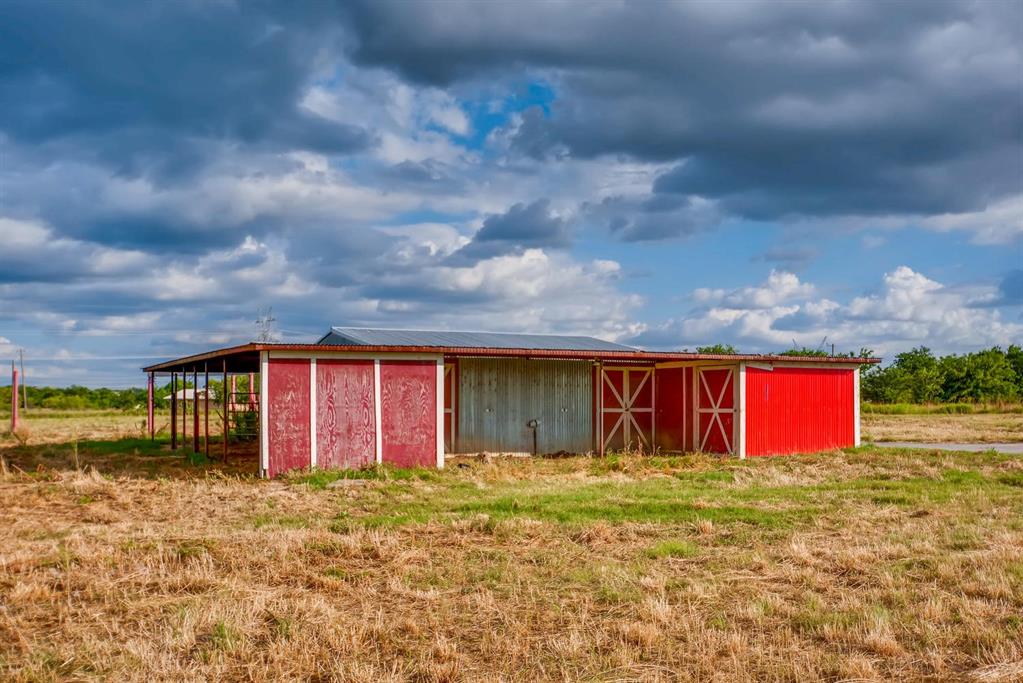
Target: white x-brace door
x=625, y=406
x=716, y=414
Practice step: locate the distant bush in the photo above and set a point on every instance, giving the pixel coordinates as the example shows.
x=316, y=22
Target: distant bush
x=919, y=377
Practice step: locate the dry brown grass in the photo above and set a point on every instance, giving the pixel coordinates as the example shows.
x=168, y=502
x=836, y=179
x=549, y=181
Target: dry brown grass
x=937, y=428
x=867, y=565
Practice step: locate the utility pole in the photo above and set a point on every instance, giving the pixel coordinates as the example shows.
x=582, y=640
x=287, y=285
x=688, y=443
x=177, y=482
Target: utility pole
x=265, y=323
x=24, y=386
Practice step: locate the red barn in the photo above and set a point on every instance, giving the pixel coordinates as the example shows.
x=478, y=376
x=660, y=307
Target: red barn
x=408, y=397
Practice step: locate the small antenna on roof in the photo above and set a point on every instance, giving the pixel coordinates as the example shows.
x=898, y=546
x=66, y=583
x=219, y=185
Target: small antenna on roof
x=265, y=324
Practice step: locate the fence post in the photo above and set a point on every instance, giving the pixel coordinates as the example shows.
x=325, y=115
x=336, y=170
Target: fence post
x=149, y=407
x=14, y=398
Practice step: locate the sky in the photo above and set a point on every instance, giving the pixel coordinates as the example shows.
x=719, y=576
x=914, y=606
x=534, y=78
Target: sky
x=664, y=175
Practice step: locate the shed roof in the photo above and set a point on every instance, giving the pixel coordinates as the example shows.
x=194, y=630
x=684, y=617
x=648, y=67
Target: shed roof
x=362, y=336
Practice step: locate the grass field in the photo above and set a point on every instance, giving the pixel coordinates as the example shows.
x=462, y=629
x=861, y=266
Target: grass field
x=939, y=428
x=864, y=564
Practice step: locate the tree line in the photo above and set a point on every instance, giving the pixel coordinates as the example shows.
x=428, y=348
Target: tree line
x=83, y=398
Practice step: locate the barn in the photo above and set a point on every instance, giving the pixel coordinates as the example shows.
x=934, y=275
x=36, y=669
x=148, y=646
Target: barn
x=363, y=396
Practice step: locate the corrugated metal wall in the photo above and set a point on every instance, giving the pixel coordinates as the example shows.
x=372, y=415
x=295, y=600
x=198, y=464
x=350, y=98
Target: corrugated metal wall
x=798, y=410
x=498, y=397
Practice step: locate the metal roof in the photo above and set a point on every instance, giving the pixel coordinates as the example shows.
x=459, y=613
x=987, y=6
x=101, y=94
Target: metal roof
x=245, y=358
x=361, y=336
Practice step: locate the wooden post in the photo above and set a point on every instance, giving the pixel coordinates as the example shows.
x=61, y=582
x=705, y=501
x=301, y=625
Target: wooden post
x=149, y=407
x=234, y=391
x=195, y=409
x=252, y=390
x=226, y=421
x=206, y=410
x=14, y=398
x=174, y=411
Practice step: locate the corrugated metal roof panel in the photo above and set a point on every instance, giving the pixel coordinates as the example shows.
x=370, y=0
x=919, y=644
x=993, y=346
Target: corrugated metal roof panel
x=485, y=340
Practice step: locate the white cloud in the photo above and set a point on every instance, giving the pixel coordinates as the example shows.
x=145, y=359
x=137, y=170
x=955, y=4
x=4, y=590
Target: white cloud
x=909, y=309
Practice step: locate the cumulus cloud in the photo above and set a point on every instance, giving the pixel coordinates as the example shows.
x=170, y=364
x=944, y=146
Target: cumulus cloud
x=908, y=309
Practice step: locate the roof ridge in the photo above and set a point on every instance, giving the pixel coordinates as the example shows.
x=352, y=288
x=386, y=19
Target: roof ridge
x=421, y=329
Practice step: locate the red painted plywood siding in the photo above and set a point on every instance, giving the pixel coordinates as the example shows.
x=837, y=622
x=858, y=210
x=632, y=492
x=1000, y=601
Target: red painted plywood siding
x=798, y=410
x=673, y=410
x=408, y=405
x=288, y=415
x=345, y=414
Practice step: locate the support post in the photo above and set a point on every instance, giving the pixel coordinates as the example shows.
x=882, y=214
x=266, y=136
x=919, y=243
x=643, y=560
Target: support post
x=149, y=407
x=234, y=391
x=174, y=411
x=206, y=410
x=252, y=390
x=195, y=409
x=600, y=408
x=226, y=416
x=14, y=398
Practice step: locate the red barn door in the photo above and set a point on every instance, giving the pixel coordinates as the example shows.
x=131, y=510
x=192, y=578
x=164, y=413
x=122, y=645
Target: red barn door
x=288, y=416
x=715, y=410
x=408, y=412
x=674, y=414
x=345, y=414
x=627, y=412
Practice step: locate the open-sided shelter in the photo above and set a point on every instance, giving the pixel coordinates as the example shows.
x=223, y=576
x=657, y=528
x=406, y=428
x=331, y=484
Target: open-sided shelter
x=408, y=397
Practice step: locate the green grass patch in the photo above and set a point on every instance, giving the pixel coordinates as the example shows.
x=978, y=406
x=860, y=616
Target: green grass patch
x=672, y=548
x=320, y=479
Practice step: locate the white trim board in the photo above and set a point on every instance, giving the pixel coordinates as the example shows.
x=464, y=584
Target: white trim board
x=354, y=355
x=440, y=413
x=312, y=413
x=264, y=409
x=378, y=428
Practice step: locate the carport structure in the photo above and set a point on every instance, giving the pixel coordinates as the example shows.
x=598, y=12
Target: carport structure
x=408, y=397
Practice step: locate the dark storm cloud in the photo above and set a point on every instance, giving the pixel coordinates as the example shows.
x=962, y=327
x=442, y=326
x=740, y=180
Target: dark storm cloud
x=652, y=218
x=521, y=227
x=144, y=84
x=772, y=109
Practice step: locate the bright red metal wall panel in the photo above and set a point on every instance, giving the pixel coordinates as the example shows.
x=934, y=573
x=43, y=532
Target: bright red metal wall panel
x=408, y=404
x=288, y=415
x=672, y=409
x=798, y=410
x=690, y=426
x=345, y=414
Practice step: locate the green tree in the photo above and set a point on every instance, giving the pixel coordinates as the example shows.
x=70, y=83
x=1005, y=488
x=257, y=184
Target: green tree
x=1014, y=355
x=717, y=348
x=921, y=374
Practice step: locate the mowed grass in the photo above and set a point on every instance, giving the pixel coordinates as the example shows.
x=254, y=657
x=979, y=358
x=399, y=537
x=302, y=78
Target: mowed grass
x=943, y=428
x=860, y=564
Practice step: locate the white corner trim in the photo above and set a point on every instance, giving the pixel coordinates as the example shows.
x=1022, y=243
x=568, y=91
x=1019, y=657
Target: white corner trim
x=378, y=428
x=440, y=413
x=264, y=410
x=856, y=407
x=740, y=416
x=312, y=413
